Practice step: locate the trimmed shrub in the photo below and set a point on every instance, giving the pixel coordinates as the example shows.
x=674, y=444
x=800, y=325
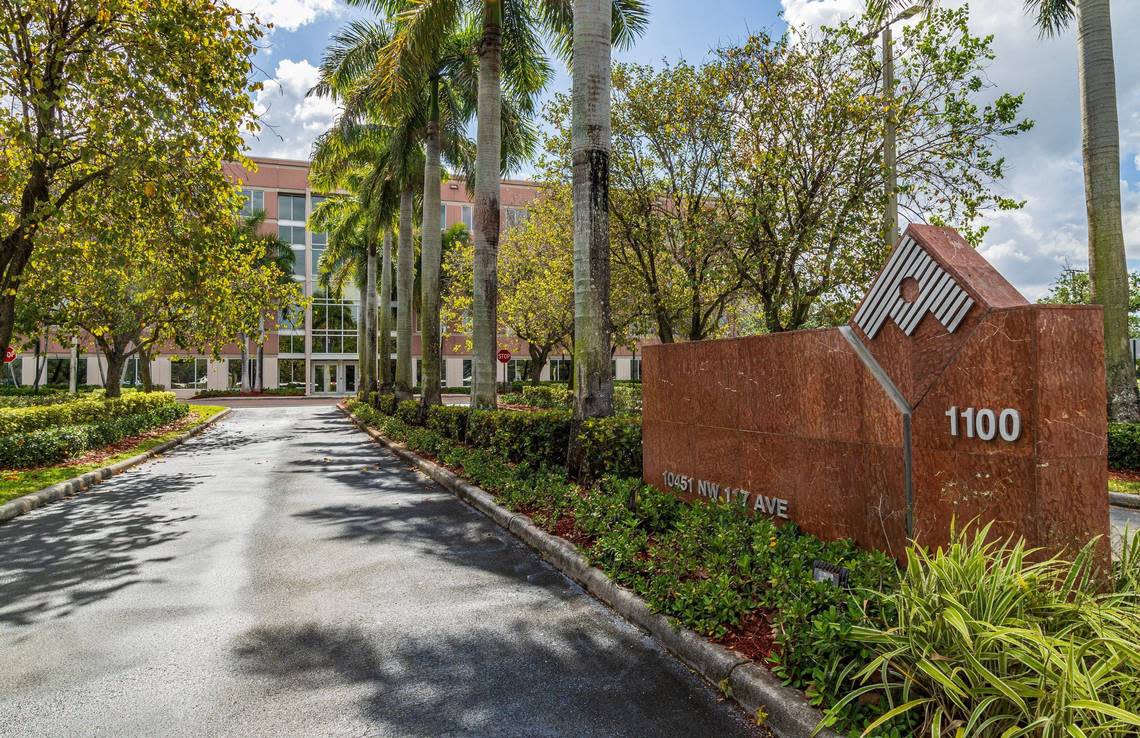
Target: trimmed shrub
x=539, y=438
x=548, y=396
x=24, y=419
x=1124, y=446
x=627, y=399
x=408, y=411
x=449, y=421
x=386, y=404
x=611, y=446
x=54, y=445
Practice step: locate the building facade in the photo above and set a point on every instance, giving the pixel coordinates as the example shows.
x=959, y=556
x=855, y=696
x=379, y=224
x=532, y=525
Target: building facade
x=315, y=349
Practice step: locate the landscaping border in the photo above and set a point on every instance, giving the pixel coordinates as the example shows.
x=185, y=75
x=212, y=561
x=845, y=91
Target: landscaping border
x=17, y=507
x=1121, y=499
x=746, y=682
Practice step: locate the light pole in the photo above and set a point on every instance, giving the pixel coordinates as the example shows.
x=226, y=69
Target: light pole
x=890, y=152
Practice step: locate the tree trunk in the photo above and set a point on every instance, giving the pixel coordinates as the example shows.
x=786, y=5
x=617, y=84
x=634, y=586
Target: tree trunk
x=73, y=370
x=538, y=358
x=244, y=363
x=404, y=280
x=259, y=380
x=144, y=370
x=590, y=151
x=431, y=245
x=385, y=320
x=484, y=313
x=368, y=371
x=1108, y=269
x=116, y=356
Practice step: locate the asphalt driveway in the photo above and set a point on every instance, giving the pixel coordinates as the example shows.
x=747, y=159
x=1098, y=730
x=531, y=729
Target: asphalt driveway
x=282, y=575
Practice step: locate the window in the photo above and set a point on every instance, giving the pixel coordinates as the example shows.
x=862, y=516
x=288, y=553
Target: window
x=442, y=217
x=291, y=318
x=188, y=373
x=292, y=344
x=290, y=372
x=518, y=370
x=468, y=216
x=291, y=207
x=254, y=202
x=131, y=376
x=561, y=369
x=58, y=372
x=513, y=217
x=292, y=235
x=334, y=325
x=12, y=373
x=635, y=369
x=233, y=373
x=467, y=372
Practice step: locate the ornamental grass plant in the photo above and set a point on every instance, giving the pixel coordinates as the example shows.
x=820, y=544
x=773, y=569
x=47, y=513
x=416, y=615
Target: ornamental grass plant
x=986, y=639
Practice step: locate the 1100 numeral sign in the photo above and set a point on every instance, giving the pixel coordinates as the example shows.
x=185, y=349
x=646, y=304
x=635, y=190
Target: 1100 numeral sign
x=985, y=423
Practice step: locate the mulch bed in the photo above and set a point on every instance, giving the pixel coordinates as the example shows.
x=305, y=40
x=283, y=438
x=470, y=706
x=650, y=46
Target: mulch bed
x=1123, y=475
x=752, y=638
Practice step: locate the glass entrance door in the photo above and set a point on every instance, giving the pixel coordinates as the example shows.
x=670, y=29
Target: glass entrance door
x=349, y=377
x=324, y=377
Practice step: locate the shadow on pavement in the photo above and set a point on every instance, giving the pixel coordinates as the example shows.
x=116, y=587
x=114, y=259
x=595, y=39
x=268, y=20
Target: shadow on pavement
x=562, y=678
x=79, y=551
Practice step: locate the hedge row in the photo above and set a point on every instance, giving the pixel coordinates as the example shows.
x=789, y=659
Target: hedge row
x=539, y=439
x=79, y=412
x=54, y=445
x=1124, y=446
x=627, y=397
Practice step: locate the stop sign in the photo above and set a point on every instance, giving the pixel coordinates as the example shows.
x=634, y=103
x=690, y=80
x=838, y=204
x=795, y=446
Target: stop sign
x=504, y=356
x=10, y=355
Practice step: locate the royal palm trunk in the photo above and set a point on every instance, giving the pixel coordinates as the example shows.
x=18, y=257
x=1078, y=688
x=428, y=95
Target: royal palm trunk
x=590, y=152
x=484, y=311
x=404, y=280
x=429, y=262
x=368, y=320
x=385, y=312
x=1108, y=269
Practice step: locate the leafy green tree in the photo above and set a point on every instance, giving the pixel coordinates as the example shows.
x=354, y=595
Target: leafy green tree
x=138, y=273
x=275, y=255
x=140, y=96
x=801, y=179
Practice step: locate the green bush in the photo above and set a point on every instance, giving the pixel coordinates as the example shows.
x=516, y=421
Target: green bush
x=449, y=421
x=610, y=446
x=1124, y=446
x=81, y=411
x=539, y=438
x=54, y=445
x=548, y=396
x=408, y=411
x=985, y=635
x=627, y=399
x=386, y=404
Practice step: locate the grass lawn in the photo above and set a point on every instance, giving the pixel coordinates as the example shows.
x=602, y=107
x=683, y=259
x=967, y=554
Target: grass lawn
x=1128, y=486
x=17, y=483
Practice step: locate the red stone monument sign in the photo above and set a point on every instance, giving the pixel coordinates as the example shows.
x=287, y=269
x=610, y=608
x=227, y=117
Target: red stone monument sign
x=947, y=396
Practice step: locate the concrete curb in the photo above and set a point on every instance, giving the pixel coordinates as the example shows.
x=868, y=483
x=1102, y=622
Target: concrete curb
x=1121, y=499
x=20, y=505
x=749, y=684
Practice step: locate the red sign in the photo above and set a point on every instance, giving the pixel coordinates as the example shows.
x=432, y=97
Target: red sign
x=504, y=356
x=10, y=355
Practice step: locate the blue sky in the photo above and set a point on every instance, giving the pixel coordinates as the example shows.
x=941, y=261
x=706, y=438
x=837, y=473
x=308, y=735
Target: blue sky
x=1029, y=246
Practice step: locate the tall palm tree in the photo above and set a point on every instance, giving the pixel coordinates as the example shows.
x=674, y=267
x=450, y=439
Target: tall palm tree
x=1100, y=147
x=389, y=138
x=510, y=37
x=590, y=150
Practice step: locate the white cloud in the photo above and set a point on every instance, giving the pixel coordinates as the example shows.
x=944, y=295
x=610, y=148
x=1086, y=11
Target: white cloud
x=288, y=15
x=1043, y=166
x=290, y=120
